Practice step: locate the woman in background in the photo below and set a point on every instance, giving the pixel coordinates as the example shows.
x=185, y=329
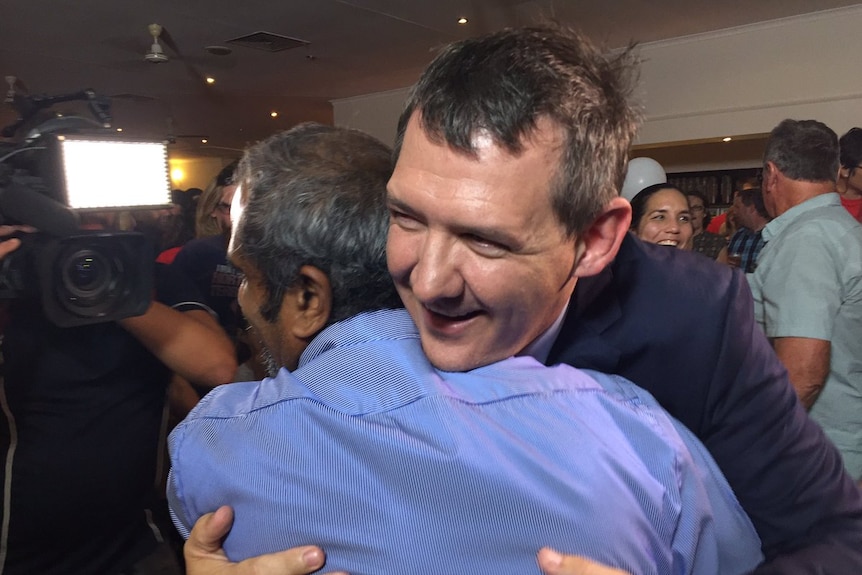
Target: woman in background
x=660, y=215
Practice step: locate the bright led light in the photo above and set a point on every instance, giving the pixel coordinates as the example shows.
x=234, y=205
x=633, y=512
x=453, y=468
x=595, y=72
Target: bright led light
x=204, y=140
x=727, y=139
x=119, y=129
x=210, y=80
x=462, y=20
x=113, y=173
x=178, y=174
x=274, y=114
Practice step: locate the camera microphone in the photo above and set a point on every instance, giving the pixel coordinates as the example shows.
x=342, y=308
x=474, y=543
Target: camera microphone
x=20, y=205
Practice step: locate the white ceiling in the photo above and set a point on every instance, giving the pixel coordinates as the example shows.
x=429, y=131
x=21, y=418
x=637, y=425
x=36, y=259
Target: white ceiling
x=356, y=47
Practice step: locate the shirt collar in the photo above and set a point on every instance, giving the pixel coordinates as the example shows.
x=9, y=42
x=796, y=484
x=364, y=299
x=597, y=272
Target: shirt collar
x=777, y=225
x=399, y=325
x=540, y=348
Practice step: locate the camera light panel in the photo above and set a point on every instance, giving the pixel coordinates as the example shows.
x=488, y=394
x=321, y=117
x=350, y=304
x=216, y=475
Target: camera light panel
x=104, y=174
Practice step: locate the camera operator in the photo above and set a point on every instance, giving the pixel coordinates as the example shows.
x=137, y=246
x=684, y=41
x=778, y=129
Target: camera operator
x=80, y=430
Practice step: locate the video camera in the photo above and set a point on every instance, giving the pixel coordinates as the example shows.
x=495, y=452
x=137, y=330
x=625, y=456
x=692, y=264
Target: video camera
x=63, y=167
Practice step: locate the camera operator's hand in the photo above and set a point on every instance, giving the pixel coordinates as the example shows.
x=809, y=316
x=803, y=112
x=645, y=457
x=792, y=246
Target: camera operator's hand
x=9, y=246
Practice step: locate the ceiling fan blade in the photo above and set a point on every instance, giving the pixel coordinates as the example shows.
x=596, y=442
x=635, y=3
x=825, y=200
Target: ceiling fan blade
x=190, y=68
x=133, y=97
x=168, y=40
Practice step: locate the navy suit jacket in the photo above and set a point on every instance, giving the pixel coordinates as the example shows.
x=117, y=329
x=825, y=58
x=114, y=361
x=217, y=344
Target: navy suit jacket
x=682, y=327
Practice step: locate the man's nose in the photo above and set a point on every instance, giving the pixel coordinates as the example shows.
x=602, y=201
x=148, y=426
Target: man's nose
x=436, y=274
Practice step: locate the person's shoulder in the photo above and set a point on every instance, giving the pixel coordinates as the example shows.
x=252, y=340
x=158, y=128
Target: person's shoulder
x=715, y=223
x=637, y=414
x=624, y=392
x=167, y=256
x=198, y=246
x=675, y=270
x=239, y=399
x=828, y=224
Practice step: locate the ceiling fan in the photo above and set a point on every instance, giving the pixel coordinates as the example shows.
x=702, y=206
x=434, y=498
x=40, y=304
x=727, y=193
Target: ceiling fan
x=156, y=55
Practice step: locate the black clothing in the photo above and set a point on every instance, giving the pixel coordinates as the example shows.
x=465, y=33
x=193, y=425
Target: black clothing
x=82, y=413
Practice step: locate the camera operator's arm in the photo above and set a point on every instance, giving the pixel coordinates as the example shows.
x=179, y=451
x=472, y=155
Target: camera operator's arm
x=190, y=343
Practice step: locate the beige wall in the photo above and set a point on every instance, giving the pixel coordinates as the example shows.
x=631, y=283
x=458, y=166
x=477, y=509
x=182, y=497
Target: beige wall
x=732, y=82
x=745, y=80
x=375, y=114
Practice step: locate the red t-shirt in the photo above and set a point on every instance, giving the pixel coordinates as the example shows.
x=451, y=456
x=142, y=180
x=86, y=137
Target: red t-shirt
x=167, y=256
x=853, y=206
x=715, y=223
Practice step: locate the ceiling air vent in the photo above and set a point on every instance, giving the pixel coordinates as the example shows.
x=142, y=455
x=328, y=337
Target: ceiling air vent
x=268, y=42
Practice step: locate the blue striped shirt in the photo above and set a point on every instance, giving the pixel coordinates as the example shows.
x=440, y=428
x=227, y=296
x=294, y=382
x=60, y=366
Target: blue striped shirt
x=395, y=467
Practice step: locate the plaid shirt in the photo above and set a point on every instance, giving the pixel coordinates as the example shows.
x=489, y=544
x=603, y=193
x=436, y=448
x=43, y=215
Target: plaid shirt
x=748, y=245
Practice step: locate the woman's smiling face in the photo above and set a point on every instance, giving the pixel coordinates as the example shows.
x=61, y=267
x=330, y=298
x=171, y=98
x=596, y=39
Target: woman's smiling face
x=666, y=220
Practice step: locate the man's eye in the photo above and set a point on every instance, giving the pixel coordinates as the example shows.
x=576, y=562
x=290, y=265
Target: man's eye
x=486, y=247
x=403, y=220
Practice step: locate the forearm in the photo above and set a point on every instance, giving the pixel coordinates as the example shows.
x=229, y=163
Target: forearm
x=182, y=397
x=191, y=343
x=807, y=364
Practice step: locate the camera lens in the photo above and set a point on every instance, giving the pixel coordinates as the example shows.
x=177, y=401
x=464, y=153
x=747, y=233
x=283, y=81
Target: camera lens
x=84, y=272
x=88, y=276
x=94, y=277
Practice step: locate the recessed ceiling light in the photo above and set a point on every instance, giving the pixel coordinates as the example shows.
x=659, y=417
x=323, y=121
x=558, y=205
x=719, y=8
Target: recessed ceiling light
x=204, y=141
x=462, y=20
x=274, y=114
x=210, y=80
x=727, y=139
x=119, y=129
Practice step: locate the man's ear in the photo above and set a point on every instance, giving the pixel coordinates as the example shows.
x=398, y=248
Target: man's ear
x=598, y=245
x=307, y=306
x=770, y=175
